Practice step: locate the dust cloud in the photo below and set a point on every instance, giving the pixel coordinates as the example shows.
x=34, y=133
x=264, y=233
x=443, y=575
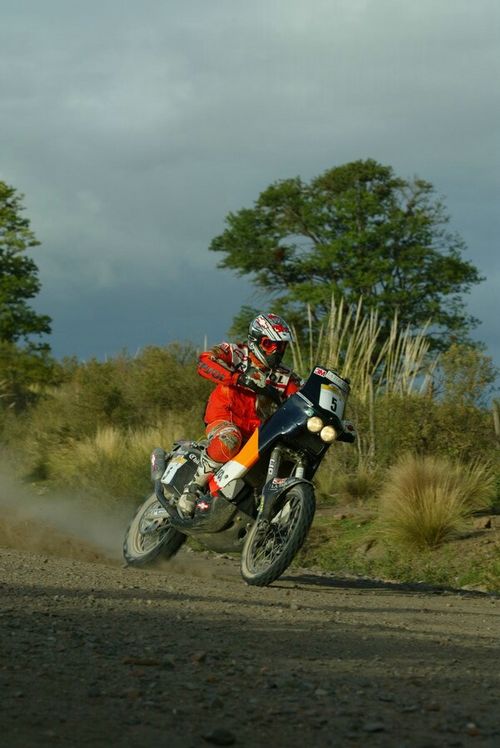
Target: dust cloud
x=59, y=523
x=75, y=526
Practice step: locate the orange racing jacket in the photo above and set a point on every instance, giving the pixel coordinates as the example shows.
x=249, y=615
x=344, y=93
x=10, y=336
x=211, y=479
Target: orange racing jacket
x=232, y=402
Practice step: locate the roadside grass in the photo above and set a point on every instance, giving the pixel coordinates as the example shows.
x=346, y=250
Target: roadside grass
x=352, y=341
x=360, y=485
x=426, y=500
x=354, y=545
x=343, y=478
x=423, y=524
x=337, y=544
x=114, y=462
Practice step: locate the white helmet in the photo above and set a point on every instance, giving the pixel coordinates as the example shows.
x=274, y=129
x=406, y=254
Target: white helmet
x=268, y=337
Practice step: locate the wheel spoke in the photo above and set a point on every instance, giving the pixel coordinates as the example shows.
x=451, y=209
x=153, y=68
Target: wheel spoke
x=150, y=531
x=150, y=535
x=270, y=541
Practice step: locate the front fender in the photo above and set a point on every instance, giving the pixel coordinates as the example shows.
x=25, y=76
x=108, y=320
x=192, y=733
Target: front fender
x=273, y=490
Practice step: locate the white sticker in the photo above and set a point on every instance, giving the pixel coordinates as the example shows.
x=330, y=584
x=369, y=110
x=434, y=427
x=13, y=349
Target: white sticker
x=172, y=468
x=331, y=399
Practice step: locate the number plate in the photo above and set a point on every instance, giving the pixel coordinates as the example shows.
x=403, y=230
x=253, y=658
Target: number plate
x=172, y=467
x=331, y=398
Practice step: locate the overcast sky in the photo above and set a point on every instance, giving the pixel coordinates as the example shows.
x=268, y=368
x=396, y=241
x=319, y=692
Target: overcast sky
x=132, y=128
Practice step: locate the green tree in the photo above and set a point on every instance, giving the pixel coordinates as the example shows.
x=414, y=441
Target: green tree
x=24, y=371
x=355, y=230
x=25, y=362
x=466, y=375
x=18, y=273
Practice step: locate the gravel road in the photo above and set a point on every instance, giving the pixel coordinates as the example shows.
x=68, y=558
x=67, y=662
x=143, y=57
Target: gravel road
x=186, y=654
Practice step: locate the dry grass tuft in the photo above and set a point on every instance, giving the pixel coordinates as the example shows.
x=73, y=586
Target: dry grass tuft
x=114, y=462
x=360, y=485
x=425, y=501
x=351, y=341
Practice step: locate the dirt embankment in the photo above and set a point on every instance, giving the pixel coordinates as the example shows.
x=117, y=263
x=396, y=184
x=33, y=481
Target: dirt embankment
x=186, y=655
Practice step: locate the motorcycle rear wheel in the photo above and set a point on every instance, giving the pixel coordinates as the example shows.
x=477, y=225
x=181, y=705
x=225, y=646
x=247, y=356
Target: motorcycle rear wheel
x=271, y=547
x=143, y=544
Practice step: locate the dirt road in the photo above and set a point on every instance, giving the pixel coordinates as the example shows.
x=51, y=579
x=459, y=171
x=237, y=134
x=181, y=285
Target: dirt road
x=187, y=655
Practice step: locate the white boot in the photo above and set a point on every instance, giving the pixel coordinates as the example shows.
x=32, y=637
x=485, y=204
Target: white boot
x=188, y=498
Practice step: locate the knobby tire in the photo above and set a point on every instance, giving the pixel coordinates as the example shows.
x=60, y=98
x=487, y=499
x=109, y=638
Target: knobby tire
x=144, y=549
x=270, y=549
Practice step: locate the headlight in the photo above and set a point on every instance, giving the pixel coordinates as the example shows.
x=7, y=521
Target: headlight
x=314, y=424
x=328, y=434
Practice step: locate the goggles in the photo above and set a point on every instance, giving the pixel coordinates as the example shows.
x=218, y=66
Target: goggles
x=272, y=346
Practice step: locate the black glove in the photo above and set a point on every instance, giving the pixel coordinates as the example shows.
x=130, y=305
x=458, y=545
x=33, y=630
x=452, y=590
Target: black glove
x=254, y=379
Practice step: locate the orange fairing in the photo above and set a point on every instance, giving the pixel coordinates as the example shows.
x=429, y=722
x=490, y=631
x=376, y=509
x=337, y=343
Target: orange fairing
x=239, y=465
x=248, y=455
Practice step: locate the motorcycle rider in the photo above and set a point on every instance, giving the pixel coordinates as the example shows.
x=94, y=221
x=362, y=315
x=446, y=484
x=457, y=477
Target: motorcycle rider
x=249, y=378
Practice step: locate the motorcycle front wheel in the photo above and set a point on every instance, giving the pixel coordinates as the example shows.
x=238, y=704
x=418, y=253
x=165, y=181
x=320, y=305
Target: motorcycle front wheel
x=150, y=536
x=270, y=547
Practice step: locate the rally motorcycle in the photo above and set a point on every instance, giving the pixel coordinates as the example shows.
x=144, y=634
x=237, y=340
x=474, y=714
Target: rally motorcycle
x=261, y=503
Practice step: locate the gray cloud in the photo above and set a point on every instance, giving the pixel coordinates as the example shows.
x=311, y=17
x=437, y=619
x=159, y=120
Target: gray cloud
x=134, y=128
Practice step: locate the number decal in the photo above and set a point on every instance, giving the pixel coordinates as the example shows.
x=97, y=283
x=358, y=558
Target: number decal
x=330, y=399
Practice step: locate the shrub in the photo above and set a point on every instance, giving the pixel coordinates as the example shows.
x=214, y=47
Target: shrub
x=466, y=375
x=114, y=463
x=160, y=380
x=360, y=485
x=425, y=500
x=418, y=423
x=25, y=372
x=124, y=393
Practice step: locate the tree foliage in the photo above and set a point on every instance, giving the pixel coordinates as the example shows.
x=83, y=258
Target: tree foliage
x=466, y=375
x=25, y=361
x=23, y=373
x=355, y=230
x=18, y=273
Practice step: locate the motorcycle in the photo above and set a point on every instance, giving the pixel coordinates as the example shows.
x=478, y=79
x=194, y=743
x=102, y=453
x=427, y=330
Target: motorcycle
x=261, y=503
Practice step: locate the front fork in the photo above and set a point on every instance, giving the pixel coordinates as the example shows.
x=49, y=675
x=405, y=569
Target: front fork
x=275, y=487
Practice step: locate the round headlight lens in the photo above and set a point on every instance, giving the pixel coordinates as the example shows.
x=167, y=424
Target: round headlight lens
x=328, y=434
x=314, y=424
